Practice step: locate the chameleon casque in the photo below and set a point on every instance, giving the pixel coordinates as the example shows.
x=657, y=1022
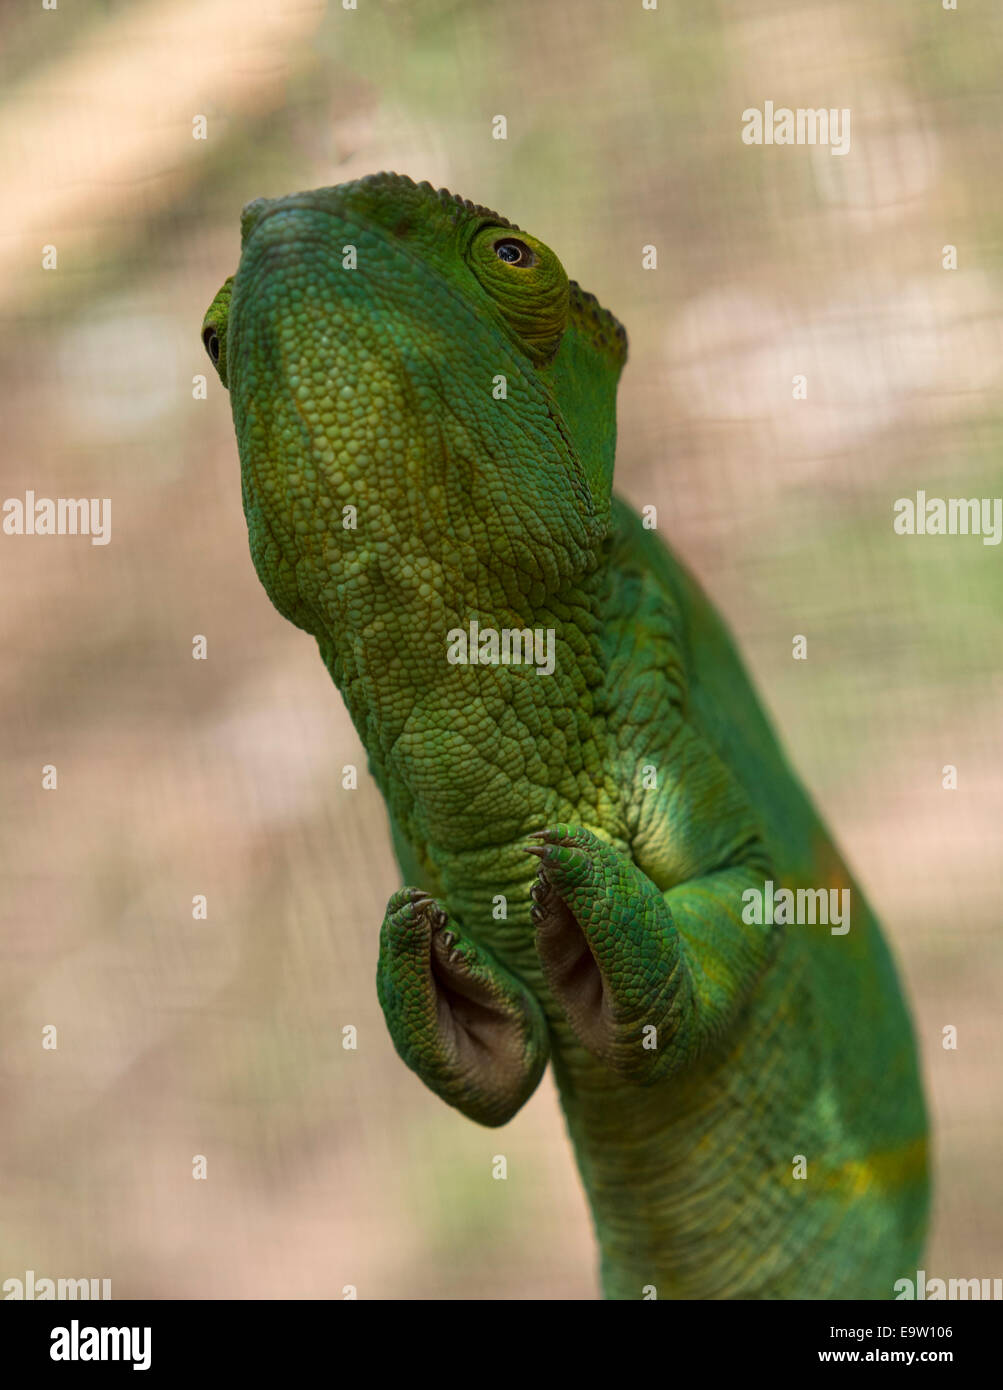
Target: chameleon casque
x=576, y=845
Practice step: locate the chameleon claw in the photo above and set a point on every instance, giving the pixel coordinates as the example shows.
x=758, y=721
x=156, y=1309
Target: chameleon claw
x=552, y=854
x=422, y=902
x=554, y=837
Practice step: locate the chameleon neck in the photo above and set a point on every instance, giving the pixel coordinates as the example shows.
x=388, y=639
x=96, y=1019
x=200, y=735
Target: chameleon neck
x=529, y=677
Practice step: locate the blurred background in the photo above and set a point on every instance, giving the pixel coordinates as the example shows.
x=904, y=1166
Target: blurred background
x=222, y=777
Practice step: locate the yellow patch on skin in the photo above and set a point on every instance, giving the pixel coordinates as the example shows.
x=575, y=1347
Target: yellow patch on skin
x=894, y=1168
x=832, y=872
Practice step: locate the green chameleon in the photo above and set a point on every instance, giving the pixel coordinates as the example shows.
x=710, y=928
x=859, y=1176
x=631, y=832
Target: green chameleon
x=589, y=806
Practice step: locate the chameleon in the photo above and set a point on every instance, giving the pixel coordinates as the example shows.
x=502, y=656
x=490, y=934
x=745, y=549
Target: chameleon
x=425, y=412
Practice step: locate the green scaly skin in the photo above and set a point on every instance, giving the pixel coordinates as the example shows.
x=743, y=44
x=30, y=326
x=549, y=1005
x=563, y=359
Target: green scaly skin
x=577, y=845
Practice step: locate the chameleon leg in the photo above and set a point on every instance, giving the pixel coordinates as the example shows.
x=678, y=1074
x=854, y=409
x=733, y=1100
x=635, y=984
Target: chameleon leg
x=646, y=979
x=468, y=1028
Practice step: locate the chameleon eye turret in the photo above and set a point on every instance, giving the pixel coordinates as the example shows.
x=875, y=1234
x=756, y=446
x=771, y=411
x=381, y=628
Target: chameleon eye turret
x=211, y=339
x=214, y=327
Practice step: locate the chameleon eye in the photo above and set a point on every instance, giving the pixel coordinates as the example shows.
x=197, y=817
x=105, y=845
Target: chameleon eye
x=515, y=253
x=214, y=327
x=534, y=304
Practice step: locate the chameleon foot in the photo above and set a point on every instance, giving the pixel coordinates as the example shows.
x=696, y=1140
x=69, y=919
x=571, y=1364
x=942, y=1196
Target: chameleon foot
x=468, y=1028
x=609, y=951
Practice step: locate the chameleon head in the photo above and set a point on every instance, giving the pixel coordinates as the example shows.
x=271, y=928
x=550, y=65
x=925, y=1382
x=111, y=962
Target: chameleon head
x=424, y=404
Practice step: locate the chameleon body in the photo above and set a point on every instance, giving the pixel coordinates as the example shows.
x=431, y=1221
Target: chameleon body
x=425, y=413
